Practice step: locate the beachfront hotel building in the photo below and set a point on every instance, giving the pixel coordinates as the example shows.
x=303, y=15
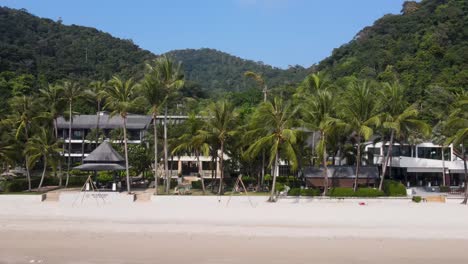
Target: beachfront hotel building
x=137, y=128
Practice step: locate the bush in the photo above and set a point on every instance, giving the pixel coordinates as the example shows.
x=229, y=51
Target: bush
x=104, y=177
x=310, y=192
x=75, y=181
x=279, y=187
x=444, y=189
x=394, y=188
x=197, y=185
x=248, y=180
x=349, y=192
x=416, y=199
x=268, y=177
x=294, y=192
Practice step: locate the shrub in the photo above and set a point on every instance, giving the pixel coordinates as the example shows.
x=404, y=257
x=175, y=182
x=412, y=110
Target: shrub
x=268, y=177
x=349, y=192
x=248, y=180
x=196, y=185
x=281, y=179
x=310, y=192
x=416, y=199
x=105, y=177
x=444, y=189
x=394, y=188
x=279, y=187
x=294, y=192
x=75, y=181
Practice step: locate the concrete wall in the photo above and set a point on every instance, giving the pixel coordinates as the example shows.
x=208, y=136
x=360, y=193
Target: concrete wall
x=34, y=198
x=95, y=198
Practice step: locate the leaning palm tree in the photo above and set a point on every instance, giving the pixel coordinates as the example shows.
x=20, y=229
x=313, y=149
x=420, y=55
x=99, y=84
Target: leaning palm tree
x=52, y=97
x=398, y=118
x=221, y=118
x=274, y=123
x=168, y=75
x=72, y=91
x=457, y=128
x=42, y=145
x=121, y=99
x=359, y=113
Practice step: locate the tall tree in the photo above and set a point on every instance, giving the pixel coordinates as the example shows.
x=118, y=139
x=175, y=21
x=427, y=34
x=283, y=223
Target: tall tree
x=52, y=96
x=221, y=118
x=121, y=98
x=457, y=128
x=359, y=112
x=71, y=92
x=398, y=118
x=169, y=75
x=42, y=145
x=96, y=93
x=274, y=123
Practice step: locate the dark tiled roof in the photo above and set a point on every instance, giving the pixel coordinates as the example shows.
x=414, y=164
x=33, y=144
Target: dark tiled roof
x=105, y=122
x=99, y=167
x=104, y=153
x=342, y=172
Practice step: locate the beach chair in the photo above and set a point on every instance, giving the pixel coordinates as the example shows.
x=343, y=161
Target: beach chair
x=434, y=199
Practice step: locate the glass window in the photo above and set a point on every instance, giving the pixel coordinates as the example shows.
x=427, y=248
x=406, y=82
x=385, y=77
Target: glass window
x=432, y=153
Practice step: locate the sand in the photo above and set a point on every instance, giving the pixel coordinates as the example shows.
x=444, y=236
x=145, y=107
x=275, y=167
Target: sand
x=204, y=230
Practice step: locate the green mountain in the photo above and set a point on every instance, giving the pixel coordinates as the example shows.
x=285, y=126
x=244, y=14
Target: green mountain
x=51, y=51
x=427, y=44
x=219, y=71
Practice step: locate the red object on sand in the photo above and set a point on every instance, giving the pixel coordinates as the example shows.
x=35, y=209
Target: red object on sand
x=362, y=203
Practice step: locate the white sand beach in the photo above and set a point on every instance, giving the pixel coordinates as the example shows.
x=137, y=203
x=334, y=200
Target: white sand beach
x=171, y=229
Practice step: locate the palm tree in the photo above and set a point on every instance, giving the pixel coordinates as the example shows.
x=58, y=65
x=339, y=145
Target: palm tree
x=24, y=113
x=359, y=113
x=274, y=122
x=398, y=118
x=97, y=94
x=457, y=127
x=71, y=92
x=155, y=95
x=121, y=98
x=220, y=124
x=44, y=145
x=166, y=73
x=258, y=78
x=52, y=96
x=191, y=143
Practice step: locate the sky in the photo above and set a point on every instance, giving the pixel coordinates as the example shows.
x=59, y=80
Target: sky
x=277, y=32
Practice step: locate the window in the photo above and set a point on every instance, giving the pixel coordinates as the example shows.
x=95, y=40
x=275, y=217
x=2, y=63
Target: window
x=433, y=153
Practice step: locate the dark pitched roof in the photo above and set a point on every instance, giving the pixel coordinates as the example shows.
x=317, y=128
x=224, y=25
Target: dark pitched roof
x=99, y=167
x=342, y=172
x=105, y=121
x=104, y=153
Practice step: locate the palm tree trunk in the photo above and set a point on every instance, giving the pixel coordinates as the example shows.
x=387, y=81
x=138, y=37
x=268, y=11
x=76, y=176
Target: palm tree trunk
x=200, y=172
x=156, y=163
x=59, y=158
x=43, y=173
x=325, y=167
x=28, y=173
x=465, y=200
x=221, y=167
x=273, y=185
x=69, y=143
x=443, y=167
x=166, y=161
x=387, y=158
x=358, y=163
x=126, y=153
x=98, y=119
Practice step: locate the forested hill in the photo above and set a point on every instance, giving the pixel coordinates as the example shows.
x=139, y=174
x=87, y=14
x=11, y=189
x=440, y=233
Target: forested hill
x=51, y=51
x=220, y=71
x=47, y=48
x=426, y=44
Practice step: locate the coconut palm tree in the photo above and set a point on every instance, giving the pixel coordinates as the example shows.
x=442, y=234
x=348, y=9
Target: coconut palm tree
x=43, y=144
x=155, y=96
x=457, y=128
x=220, y=124
x=359, y=113
x=52, y=97
x=121, y=99
x=24, y=113
x=274, y=123
x=96, y=93
x=191, y=143
x=397, y=117
x=72, y=91
x=168, y=75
